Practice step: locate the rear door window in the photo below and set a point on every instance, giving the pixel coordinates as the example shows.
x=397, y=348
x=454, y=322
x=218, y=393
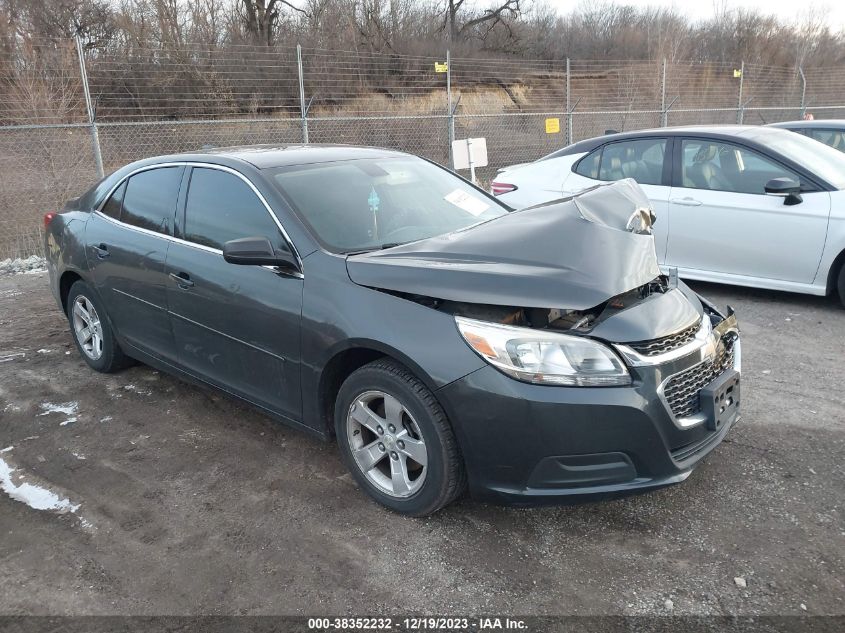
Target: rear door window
x=150, y=199
x=222, y=207
x=640, y=159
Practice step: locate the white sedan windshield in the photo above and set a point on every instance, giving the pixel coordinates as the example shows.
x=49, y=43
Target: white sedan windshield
x=816, y=157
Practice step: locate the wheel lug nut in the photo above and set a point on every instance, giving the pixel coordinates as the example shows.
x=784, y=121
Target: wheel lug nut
x=400, y=444
x=381, y=447
x=394, y=455
x=380, y=431
x=391, y=428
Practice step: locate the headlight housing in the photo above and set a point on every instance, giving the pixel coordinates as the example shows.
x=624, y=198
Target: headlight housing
x=544, y=357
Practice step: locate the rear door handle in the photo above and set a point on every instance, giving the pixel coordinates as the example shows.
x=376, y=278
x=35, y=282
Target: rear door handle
x=102, y=251
x=183, y=280
x=686, y=202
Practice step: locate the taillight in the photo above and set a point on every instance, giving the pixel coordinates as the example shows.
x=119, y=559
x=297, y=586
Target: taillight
x=48, y=217
x=498, y=188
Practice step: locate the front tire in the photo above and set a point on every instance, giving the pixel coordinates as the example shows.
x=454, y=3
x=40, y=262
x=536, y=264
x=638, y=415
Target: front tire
x=92, y=332
x=396, y=440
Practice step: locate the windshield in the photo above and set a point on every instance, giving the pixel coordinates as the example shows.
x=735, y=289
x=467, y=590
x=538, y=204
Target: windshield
x=366, y=204
x=816, y=157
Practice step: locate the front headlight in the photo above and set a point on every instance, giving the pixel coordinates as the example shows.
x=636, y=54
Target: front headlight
x=544, y=357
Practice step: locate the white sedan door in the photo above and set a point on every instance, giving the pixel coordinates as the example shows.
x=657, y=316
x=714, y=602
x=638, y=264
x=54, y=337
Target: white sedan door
x=721, y=221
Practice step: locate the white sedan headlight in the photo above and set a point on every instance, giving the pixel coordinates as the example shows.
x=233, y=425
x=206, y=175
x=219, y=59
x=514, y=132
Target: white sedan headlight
x=544, y=357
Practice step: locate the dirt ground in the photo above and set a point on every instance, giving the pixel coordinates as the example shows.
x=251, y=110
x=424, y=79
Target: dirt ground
x=170, y=499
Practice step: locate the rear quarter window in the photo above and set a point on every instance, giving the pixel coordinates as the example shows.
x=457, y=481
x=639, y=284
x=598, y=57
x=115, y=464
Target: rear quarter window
x=114, y=204
x=589, y=165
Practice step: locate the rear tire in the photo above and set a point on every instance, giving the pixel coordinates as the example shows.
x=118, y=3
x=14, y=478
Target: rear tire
x=92, y=332
x=840, y=286
x=396, y=440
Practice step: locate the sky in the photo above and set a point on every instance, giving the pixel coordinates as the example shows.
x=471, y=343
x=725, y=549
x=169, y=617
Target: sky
x=785, y=10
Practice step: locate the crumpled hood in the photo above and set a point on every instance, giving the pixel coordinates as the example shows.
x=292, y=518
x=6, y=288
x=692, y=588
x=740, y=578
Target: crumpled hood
x=573, y=253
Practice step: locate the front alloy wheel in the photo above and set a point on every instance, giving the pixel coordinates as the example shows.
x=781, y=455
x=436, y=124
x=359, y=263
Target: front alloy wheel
x=396, y=440
x=386, y=443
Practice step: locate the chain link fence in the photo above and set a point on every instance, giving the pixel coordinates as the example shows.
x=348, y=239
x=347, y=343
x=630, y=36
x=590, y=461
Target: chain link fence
x=67, y=114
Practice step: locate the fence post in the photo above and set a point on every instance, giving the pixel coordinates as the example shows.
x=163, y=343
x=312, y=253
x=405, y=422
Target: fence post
x=568, y=104
x=450, y=121
x=740, y=108
x=89, y=106
x=803, y=91
x=303, y=111
x=664, y=114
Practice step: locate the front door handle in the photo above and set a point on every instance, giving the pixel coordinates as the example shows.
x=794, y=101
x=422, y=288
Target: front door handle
x=686, y=202
x=183, y=280
x=102, y=251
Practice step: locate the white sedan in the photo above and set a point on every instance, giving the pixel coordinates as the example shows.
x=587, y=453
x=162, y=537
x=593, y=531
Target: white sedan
x=749, y=206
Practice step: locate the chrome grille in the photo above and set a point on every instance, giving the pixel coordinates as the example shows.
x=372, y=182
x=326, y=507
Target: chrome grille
x=666, y=343
x=681, y=391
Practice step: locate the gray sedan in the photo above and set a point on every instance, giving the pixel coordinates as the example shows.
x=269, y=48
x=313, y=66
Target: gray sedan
x=377, y=298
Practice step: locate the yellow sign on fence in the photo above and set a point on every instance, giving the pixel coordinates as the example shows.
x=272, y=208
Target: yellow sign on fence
x=737, y=73
x=441, y=68
x=552, y=126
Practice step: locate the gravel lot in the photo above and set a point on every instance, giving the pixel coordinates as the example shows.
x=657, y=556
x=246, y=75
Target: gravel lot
x=170, y=499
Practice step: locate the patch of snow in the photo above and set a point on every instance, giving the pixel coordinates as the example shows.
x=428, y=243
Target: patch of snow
x=44, y=351
x=70, y=409
x=106, y=419
x=78, y=456
x=10, y=357
x=142, y=392
x=32, y=264
x=34, y=496
x=7, y=449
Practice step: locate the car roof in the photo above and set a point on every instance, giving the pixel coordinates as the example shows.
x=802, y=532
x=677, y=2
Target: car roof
x=269, y=156
x=723, y=132
x=823, y=123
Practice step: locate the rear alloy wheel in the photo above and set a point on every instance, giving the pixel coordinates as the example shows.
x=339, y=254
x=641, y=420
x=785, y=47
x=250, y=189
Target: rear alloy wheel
x=87, y=327
x=92, y=331
x=396, y=440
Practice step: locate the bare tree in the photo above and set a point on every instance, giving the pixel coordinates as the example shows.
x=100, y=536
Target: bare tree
x=261, y=17
x=460, y=27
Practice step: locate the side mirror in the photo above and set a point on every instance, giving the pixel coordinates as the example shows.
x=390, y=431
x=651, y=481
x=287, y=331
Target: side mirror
x=786, y=188
x=257, y=251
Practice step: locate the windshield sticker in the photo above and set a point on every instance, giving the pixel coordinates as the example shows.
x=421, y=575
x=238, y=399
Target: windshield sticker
x=468, y=203
x=373, y=200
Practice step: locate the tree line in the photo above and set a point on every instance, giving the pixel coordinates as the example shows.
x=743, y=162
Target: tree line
x=521, y=28
x=175, y=59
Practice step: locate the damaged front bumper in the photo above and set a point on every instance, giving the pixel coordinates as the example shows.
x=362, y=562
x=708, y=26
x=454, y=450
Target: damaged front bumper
x=531, y=443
